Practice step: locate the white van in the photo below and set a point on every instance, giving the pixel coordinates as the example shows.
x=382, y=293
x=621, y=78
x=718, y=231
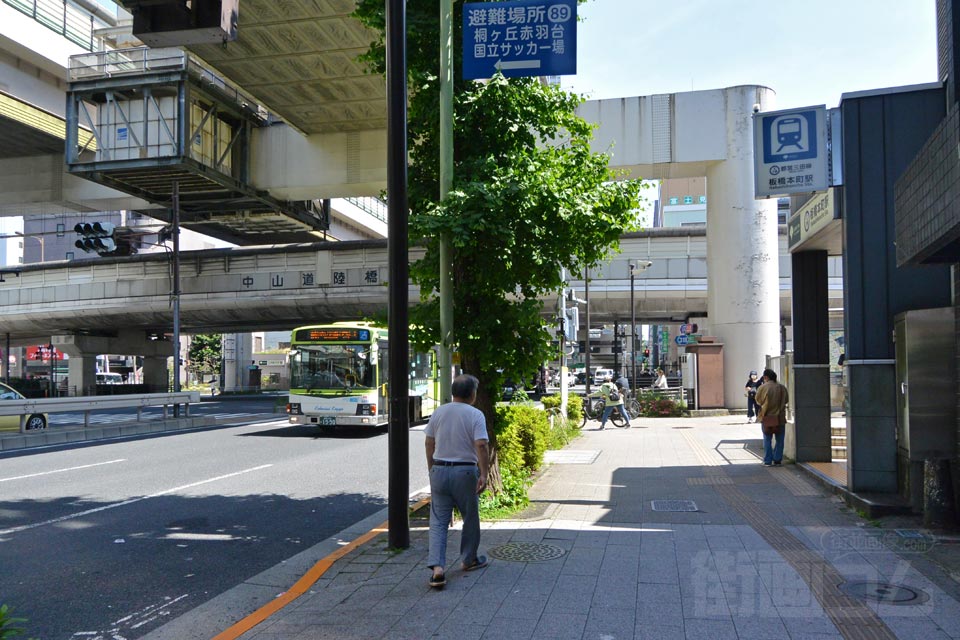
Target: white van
x=600, y=374
x=109, y=378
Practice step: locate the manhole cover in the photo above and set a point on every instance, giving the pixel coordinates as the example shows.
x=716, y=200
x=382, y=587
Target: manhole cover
x=526, y=552
x=884, y=592
x=673, y=505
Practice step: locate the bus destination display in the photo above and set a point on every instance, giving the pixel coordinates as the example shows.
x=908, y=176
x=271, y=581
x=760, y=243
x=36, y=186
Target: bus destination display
x=333, y=334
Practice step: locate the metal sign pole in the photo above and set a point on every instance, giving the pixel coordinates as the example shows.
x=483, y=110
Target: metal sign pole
x=176, y=292
x=446, y=184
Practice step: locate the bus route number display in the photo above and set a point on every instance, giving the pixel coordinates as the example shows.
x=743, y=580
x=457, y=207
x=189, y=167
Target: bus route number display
x=333, y=334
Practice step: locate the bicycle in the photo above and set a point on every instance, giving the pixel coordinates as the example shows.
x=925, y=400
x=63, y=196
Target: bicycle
x=632, y=404
x=593, y=410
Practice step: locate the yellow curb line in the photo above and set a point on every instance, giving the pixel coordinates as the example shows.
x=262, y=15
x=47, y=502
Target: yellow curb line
x=305, y=582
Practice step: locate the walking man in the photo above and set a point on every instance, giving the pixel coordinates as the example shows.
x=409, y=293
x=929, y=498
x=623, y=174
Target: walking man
x=772, y=398
x=458, y=462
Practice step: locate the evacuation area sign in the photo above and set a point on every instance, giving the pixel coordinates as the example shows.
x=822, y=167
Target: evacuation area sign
x=522, y=38
x=790, y=151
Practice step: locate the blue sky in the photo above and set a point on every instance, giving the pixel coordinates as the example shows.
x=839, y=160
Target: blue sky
x=809, y=53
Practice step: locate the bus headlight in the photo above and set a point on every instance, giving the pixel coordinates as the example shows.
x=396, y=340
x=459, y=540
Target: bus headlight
x=366, y=409
x=293, y=408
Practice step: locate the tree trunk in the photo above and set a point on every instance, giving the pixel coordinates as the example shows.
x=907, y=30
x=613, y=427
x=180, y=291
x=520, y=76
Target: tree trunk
x=486, y=402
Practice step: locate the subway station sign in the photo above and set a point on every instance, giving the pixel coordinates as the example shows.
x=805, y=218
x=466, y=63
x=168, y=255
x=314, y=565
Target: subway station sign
x=812, y=217
x=520, y=38
x=790, y=152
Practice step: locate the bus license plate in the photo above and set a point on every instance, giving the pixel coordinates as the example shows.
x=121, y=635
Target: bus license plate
x=328, y=421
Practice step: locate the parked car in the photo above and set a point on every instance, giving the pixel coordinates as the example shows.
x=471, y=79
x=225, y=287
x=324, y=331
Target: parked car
x=12, y=423
x=109, y=378
x=601, y=374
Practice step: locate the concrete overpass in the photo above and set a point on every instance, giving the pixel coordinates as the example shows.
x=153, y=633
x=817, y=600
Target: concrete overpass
x=279, y=287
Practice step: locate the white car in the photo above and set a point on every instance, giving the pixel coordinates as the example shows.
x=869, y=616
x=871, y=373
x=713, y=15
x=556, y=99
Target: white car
x=600, y=375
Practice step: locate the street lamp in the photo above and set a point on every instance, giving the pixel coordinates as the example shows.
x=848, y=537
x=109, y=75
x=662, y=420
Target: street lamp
x=641, y=265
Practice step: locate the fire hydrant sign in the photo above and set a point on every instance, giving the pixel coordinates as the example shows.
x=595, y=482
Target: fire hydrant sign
x=522, y=38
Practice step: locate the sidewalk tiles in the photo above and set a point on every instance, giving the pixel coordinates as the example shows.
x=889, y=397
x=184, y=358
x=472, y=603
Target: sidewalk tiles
x=767, y=554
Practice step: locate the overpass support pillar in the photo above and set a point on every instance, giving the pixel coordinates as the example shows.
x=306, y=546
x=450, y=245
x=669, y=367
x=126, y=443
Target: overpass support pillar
x=743, y=293
x=82, y=374
x=156, y=374
x=83, y=351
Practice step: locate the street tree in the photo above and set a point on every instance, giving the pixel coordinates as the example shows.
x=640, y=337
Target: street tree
x=529, y=199
x=205, y=354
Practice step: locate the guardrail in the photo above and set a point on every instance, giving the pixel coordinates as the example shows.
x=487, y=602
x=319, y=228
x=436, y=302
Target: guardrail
x=89, y=404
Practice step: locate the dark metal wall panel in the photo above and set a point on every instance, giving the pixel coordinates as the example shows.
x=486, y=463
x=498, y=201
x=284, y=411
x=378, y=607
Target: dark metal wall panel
x=881, y=135
x=810, y=308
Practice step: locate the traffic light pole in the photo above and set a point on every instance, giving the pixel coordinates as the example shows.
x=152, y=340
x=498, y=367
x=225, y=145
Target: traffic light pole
x=633, y=329
x=176, y=292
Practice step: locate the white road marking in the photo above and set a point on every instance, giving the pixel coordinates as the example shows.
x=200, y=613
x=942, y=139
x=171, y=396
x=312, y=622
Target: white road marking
x=133, y=621
x=80, y=514
x=46, y=473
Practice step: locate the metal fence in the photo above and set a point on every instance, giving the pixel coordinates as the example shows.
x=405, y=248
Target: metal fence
x=374, y=206
x=65, y=18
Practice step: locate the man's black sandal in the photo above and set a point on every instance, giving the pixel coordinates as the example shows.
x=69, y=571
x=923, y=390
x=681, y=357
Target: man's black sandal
x=479, y=563
x=438, y=581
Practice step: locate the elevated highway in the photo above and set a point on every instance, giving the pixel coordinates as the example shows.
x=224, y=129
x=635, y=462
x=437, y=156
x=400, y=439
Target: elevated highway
x=257, y=288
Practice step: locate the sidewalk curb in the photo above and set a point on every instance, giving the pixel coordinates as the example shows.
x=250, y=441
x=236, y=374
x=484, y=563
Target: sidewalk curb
x=255, y=597
x=872, y=505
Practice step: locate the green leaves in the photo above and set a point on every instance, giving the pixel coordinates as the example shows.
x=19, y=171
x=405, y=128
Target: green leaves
x=529, y=198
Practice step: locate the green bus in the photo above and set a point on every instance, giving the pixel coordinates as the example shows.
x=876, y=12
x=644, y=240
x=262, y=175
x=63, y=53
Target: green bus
x=339, y=376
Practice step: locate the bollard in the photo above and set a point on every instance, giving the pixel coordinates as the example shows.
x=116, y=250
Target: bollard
x=938, y=508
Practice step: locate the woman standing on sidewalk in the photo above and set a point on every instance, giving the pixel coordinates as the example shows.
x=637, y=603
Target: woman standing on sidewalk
x=750, y=390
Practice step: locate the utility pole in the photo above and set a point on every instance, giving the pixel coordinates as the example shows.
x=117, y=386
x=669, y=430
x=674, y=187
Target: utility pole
x=398, y=445
x=588, y=378
x=176, y=291
x=633, y=329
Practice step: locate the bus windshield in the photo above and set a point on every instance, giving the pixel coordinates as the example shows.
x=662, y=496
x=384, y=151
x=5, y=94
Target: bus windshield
x=332, y=366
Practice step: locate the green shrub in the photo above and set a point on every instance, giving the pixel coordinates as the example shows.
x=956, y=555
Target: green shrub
x=531, y=429
x=513, y=497
x=10, y=626
x=575, y=409
x=655, y=405
x=574, y=406
x=551, y=402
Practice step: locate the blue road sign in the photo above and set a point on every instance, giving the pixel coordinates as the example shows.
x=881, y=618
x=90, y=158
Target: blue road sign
x=520, y=38
x=681, y=340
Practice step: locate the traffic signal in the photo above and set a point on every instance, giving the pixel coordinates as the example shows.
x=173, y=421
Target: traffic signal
x=646, y=353
x=96, y=237
x=105, y=239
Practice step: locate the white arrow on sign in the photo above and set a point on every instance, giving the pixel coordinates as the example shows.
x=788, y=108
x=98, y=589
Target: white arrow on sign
x=518, y=64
